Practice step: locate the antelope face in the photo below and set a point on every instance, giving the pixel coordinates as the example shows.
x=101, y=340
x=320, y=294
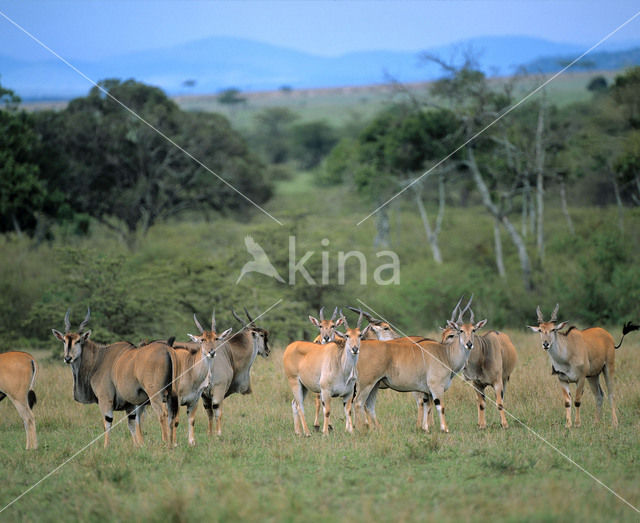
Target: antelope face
x=327, y=328
x=465, y=332
x=72, y=342
x=209, y=341
x=548, y=332
x=260, y=341
x=353, y=337
x=382, y=331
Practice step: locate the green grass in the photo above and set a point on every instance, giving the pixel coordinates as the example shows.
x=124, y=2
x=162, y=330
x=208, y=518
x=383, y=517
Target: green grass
x=350, y=105
x=259, y=470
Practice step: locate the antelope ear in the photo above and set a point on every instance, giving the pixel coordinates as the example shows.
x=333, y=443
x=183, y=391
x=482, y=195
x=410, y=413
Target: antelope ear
x=339, y=321
x=314, y=321
x=560, y=326
x=85, y=335
x=225, y=334
x=534, y=329
x=365, y=331
x=481, y=324
x=58, y=334
x=193, y=338
x=452, y=325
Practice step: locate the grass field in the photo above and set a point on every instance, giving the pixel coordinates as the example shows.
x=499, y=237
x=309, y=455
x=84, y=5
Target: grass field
x=259, y=470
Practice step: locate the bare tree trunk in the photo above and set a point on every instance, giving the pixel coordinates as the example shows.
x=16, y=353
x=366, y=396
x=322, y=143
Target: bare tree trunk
x=616, y=191
x=432, y=236
x=525, y=264
x=526, y=194
x=382, y=228
x=540, y=180
x=563, y=203
x=498, y=247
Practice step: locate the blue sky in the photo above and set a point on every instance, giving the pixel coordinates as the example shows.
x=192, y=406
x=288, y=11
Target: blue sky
x=84, y=30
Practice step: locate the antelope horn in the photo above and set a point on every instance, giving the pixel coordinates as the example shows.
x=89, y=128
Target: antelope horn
x=370, y=318
x=333, y=316
x=359, y=320
x=539, y=314
x=213, y=320
x=554, y=314
x=344, y=319
x=85, y=321
x=247, y=313
x=67, y=323
x=195, y=318
x=453, y=313
x=461, y=315
x=321, y=313
x=237, y=317
x=471, y=320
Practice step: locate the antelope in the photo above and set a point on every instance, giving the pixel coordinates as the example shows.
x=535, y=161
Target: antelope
x=577, y=355
x=327, y=333
x=18, y=372
x=490, y=363
x=195, y=365
x=122, y=376
x=381, y=330
x=232, y=367
x=329, y=370
x=423, y=366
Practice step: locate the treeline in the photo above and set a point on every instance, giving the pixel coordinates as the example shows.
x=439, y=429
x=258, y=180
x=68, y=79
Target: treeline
x=531, y=171
x=112, y=156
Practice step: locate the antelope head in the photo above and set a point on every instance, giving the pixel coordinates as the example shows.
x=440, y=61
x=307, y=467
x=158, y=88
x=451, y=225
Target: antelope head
x=259, y=335
x=73, y=341
x=381, y=329
x=353, y=337
x=548, y=330
x=327, y=327
x=209, y=341
x=464, y=331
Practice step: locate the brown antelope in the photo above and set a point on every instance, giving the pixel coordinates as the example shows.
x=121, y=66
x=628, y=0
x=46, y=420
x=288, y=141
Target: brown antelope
x=491, y=361
x=424, y=366
x=232, y=368
x=195, y=365
x=122, y=376
x=577, y=355
x=328, y=369
x=18, y=372
x=327, y=333
x=383, y=331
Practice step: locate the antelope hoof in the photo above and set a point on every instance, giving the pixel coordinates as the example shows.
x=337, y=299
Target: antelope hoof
x=482, y=426
x=316, y=428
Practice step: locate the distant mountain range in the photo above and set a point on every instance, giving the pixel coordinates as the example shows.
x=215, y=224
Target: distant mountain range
x=213, y=64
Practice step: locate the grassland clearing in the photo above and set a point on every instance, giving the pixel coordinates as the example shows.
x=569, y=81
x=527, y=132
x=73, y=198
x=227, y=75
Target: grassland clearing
x=259, y=470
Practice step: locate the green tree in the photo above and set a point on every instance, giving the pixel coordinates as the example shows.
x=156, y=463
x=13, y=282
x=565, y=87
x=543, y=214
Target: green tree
x=22, y=192
x=272, y=134
x=312, y=141
x=126, y=174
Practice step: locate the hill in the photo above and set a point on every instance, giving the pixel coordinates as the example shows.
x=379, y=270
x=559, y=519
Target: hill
x=213, y=64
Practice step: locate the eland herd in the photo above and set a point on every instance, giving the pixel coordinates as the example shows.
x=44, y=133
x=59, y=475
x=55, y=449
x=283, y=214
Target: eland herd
x=353, y=364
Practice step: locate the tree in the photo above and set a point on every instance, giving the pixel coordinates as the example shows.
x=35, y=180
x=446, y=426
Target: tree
x=272, y=135
x=231, y=97
x=476, y=105
x=127, y=175
x=22, y=192
x=312, y=141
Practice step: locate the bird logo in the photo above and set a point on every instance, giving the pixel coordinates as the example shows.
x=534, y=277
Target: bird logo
x=260, y=262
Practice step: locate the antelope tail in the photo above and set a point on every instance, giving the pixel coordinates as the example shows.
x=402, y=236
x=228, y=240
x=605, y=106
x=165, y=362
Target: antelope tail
x=31, y=395
x=172, y=396
x=626, y=329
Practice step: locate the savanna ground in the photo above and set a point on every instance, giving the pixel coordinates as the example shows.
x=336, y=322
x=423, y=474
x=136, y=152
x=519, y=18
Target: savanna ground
x=259, y=470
